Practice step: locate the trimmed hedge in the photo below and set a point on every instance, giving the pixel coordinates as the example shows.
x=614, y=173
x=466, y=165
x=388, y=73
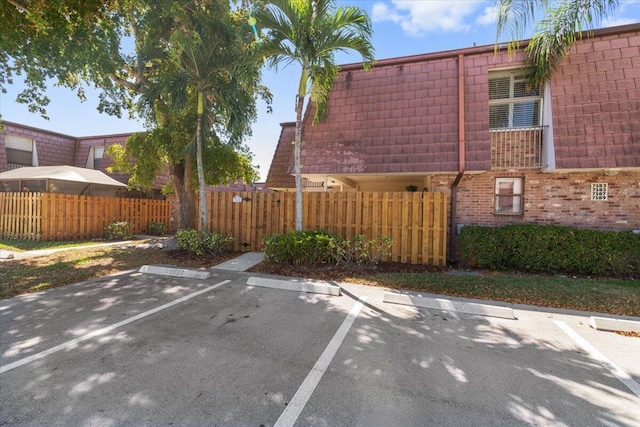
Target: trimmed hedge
x=298, y=248
x=551, y=249
x=313, y=248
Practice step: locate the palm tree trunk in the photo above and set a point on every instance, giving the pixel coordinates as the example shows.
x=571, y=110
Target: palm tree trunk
x=302, y=92
x=297, y=167
x=203, y=202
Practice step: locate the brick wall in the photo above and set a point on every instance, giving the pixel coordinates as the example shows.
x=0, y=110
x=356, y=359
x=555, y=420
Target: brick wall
x=551, y=198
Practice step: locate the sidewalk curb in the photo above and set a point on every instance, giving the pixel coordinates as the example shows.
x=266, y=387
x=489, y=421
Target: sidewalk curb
x=449, y=305
x=302, y=285
x=608, y=324
x=174, y=272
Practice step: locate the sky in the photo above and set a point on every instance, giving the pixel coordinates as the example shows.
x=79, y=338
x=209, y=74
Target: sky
x=400, y=28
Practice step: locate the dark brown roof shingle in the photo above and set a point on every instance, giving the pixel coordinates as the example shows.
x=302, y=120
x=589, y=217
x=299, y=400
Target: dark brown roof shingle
x=279, y=176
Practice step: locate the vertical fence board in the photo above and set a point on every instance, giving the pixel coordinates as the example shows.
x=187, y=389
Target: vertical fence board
x=244, y=222
x=440, y=239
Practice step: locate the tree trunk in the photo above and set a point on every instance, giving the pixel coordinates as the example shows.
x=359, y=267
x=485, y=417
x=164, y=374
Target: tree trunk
x=203, y=226
x=297, y=166
x=184, y=194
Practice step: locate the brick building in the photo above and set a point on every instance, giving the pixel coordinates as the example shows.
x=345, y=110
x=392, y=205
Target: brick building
x=464, y=122
x=22, y=145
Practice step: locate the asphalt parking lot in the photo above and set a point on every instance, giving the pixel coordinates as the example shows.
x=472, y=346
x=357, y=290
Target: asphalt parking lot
x=146, y=350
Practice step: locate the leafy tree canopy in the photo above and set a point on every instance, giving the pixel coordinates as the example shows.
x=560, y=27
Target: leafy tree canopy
x=67, y=41
x=131, y=50
x=76, y=42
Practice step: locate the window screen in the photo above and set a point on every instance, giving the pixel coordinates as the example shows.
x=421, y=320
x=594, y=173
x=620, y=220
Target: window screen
x=19, y=151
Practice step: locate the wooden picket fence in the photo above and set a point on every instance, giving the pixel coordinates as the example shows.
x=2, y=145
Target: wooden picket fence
x=416, y=222
x=52, y=216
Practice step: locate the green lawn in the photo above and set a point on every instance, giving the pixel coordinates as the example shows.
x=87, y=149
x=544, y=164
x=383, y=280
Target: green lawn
x=34, y=245
x=75, y=265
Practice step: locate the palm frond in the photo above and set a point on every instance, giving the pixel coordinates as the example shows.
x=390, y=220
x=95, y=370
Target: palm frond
x=349, y=28
x=515, y=16
x=322, y=77
x=310, y=32
x=558, y=31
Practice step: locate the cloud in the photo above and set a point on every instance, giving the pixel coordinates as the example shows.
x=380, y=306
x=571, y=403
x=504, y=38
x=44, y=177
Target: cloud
x=489, y=16
x=417, y=18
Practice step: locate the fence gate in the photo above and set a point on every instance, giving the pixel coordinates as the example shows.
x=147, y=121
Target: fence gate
x=416, y=222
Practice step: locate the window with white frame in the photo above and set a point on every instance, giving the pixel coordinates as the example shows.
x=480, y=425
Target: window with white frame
x=511, y=103
x=21, y=151
x=509, y=196
x=95, y=157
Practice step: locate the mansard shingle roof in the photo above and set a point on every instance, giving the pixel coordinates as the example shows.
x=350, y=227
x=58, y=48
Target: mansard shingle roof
x=279, y=176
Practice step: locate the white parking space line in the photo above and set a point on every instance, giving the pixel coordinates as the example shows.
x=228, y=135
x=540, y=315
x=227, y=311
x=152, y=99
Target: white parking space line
x=105, y=330
x=595, y=353
x=293, y=410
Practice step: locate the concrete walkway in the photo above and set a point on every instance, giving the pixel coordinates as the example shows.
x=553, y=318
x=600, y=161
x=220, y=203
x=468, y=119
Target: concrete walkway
x=8, y=255
x=241, y=263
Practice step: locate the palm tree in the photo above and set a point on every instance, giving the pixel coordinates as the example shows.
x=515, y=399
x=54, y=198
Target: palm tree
x=214, y=62
x=309, y=33
x=555, y=33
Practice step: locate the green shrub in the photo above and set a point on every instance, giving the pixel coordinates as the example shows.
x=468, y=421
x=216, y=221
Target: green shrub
x=320, y=247
x=119, y=231
x=298, y=248
x=551, y=249
x=360, y=250
x=157, y=228
x=200, y=242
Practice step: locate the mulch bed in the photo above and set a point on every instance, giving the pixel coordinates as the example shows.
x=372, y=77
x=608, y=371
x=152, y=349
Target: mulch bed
x=185, y=258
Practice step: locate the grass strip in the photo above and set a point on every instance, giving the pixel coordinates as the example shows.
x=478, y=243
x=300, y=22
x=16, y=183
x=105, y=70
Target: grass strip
x=612, y=296
x=62, y=268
